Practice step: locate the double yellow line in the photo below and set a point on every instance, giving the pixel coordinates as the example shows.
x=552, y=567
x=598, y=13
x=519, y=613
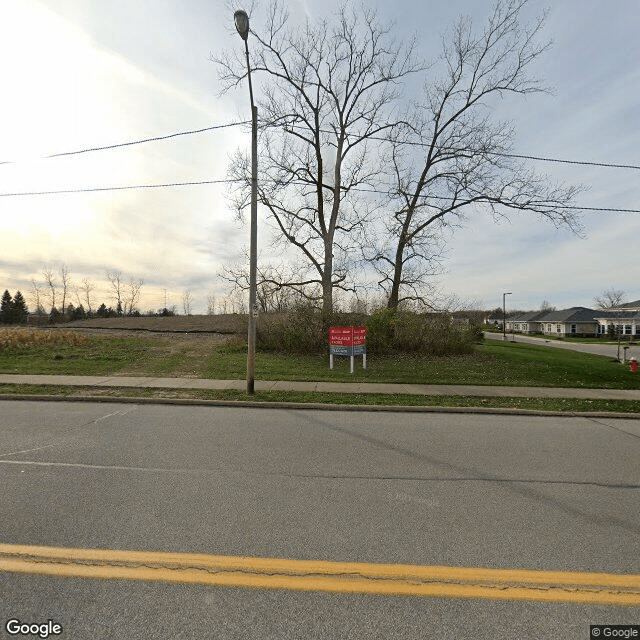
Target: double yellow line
x=316, y=575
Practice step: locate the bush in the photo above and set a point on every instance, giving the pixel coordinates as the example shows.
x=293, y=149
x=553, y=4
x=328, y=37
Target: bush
x=304, y=329
x=391, y=331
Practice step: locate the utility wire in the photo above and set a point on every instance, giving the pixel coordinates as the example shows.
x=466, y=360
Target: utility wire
x=581, y=162
x=142, y=141
x=244, y=122
x=207, y=182
x=504, y=155
x=122, y=188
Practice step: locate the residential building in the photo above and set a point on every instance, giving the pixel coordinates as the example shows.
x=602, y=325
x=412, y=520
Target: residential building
x=622, y=320
x=580, y=321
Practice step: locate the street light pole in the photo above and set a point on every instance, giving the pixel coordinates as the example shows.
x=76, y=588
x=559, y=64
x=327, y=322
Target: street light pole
x=504, y=315
x=241, y=20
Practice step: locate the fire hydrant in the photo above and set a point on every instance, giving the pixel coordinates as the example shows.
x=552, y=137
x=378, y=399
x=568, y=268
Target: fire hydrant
x=634, y=365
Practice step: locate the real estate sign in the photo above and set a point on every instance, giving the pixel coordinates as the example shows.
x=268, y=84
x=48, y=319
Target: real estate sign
x=348, y=341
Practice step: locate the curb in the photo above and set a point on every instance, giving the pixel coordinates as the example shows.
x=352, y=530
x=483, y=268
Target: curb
x=317, y=406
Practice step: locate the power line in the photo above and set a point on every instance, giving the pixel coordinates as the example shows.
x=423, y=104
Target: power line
x=576, y=207
x=581, y=162
x=119, y=188
x=244, y=122
x=509, y=155
x=142, y=141
x=228, y=181
x=539, y=158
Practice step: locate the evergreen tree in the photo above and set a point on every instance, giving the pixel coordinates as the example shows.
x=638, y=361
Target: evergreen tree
x=79, y=313
x=19, y=311
x=102, y=311
x=6, y=308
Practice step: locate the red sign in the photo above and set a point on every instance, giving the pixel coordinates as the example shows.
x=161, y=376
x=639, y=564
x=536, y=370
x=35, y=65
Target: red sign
x=347, y=336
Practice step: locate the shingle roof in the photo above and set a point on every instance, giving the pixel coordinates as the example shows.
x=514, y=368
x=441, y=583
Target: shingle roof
x=574, y=314
x=620, y=314
x=629, y=305
x=530, y=316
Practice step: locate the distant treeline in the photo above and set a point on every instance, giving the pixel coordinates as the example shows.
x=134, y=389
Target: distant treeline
x=14, y=310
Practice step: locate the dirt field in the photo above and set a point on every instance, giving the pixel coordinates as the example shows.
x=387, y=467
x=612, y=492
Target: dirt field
x=188, y=327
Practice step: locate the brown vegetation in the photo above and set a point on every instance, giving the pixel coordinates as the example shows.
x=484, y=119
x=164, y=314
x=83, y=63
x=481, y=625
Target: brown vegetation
x=225, y=323
x=20, y=338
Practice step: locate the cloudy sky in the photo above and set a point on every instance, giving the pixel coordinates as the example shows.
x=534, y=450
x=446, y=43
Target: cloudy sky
x=80, y=74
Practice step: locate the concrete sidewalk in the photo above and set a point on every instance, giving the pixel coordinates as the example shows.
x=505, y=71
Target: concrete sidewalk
x=332, y=387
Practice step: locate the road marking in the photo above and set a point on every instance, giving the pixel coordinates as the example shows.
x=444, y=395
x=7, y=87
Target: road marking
x=319, y=575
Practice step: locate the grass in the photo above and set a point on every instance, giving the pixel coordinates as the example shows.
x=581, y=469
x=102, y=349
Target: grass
x=567, y=405
x=493, y=363
x=92, y=356
x=502, y=364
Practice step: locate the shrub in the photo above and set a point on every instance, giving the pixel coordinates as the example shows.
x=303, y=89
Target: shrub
x=391, y=330
x=304, y=329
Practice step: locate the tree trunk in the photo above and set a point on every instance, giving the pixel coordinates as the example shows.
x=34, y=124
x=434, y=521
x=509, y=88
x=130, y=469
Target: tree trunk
x=394, y=295
x=327, y=279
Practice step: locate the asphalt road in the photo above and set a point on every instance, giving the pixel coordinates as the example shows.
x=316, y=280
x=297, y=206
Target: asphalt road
x=558, y=494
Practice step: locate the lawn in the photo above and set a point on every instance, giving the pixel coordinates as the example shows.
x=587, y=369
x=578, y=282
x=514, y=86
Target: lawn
x=492, y=363
x=564, y=405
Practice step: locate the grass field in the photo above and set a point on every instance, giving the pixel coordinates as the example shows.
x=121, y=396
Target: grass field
x=565, y=405
x=207, y=356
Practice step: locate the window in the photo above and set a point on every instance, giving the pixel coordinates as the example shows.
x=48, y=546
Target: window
x=558, y=328
x=574, y=328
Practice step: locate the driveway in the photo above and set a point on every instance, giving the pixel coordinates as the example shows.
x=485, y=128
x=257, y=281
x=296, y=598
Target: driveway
x=605, y=349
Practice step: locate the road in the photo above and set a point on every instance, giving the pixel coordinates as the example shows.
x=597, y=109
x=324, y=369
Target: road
x=470, y=491
x=610, y=350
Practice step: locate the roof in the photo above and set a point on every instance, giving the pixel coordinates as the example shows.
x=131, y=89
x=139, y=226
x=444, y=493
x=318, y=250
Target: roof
x=628, y=305
x=529, y=316
x=574, y=314
x=619, y=314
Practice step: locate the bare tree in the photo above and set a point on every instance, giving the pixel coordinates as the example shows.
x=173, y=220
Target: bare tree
x=115, y=279
x=86, y=289
x=65, y=281
x=211, y=304
x=187, y=300
x=275, y=288
x=610, y=298
x=331, y=91
x=466, y=162
x=36, y=296
x=546, y=306
x=132, y=296
x=50, y=279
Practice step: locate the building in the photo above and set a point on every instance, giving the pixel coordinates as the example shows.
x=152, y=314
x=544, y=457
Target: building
x=623, y=320
x=576, y=321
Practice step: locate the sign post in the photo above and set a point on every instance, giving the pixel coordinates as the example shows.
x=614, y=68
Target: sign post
x=348, y=341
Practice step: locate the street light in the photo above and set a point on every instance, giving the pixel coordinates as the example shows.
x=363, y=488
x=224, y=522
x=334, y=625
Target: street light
x=241, y=19
x=504, y=315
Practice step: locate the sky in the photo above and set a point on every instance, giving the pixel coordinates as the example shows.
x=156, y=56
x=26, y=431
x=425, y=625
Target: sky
x=80, y=74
